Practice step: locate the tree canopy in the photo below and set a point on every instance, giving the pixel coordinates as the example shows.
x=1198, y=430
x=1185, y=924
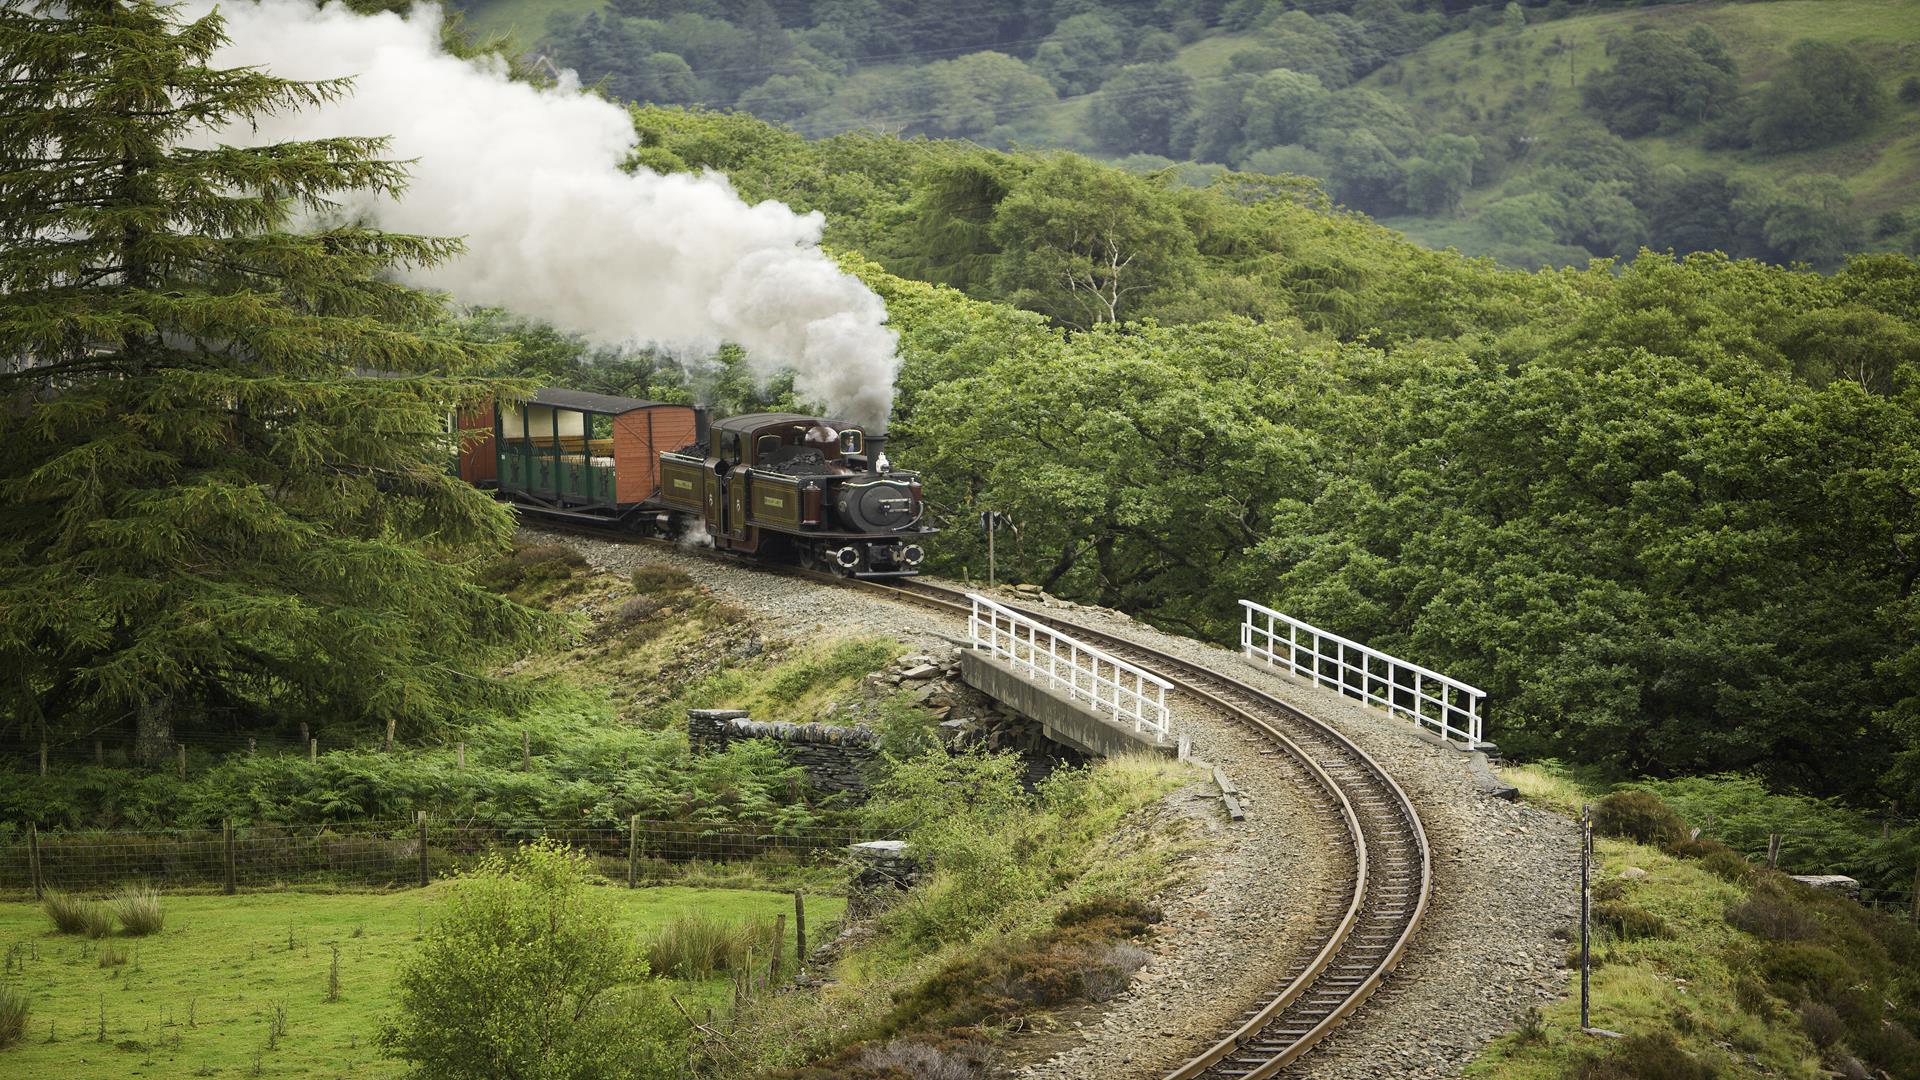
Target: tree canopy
x=209, y=417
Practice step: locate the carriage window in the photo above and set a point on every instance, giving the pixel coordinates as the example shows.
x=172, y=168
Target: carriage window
x=851, y=442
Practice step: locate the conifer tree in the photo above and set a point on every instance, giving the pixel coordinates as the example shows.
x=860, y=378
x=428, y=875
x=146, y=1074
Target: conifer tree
x=225, y=495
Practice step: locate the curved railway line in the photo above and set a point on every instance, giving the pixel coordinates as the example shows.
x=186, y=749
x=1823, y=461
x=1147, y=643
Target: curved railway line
x=1386, y=847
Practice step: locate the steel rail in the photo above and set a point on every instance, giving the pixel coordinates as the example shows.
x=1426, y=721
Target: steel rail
x=1392, y=860
x=1385, y=836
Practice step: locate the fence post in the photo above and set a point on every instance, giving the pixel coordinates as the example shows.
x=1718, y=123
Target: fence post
x=390, y=723
x=233, y=870
x=43, y=755
x=33, y=858
x=799, y=928
x=99, y=752
x=423, y=849
x=459, y=755
x=183, y=761
x=1586, y=912
x=633, y=851
x=304, y=733
x=526, y=751
x=779, y=939
x=1773, y=851
x=313, y=751
x=1916, y=895
x=252, y=745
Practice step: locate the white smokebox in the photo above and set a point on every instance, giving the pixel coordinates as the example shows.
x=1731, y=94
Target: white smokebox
x=555, y=230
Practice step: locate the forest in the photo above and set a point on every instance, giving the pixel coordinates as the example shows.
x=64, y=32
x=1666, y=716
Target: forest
x=1663, y=510
x=1541, y=134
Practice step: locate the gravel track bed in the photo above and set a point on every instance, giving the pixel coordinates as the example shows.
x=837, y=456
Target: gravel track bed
x=1505, y=876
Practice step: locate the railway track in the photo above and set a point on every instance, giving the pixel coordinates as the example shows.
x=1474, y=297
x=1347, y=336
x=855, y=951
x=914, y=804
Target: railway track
x=1386, y=846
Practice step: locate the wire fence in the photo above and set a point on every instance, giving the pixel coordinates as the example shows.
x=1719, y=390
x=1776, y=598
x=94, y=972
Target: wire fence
x=402, y=854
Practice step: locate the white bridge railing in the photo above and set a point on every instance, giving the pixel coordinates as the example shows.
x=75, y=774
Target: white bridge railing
x=1107, y=683
x=1448, y=706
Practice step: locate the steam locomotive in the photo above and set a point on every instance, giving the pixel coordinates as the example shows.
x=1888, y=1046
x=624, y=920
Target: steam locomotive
x=782, y=486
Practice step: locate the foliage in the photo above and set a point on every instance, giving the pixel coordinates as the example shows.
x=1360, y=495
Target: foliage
x=139, y=910
x=77, y=915
x=1639, y=816
x=1647, y=1057
x=198, y=531
x=520, y=976
x=1658, y=81
x=698, y=944
x=16, y=1011
x=1827, y=93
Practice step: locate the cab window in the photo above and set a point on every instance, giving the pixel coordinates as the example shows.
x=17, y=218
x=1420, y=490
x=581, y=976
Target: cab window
x=852, y=442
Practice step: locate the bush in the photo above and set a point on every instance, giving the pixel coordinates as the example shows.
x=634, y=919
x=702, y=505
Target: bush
x=1772, y=915
x=1628, y=921
x=1728, y=866
x=75, y=915
x=695, y=945
x=1694, y=847
x=648, y=580
x=16, y=1009
x=1822, y=1024
x=1799, y=970
x=535, y=564
x=1646, y=1057
x=139, y=912
x=1639, y=816
x=517, y=975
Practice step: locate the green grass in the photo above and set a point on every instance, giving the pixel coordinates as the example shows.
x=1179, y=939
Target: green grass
x=195, y=998
x=524, y=21
x=1439, y=82
x=1682, y=984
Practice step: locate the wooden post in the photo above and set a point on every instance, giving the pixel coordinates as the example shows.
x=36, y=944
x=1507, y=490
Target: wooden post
x=252, y=745
x=1916, y=895
x=303, y=731
x=313, y=751
x=99, y=752
x=633, y=851
x=526, y=752
x=233, y=870
x=33, y=859
x=1773, y=851
x=779, y=941
x=424, y=879
x=459, y=755
x=43, y=755
x=183, y=760
x=390, y=723
x=799, y=929
x=1586, y=913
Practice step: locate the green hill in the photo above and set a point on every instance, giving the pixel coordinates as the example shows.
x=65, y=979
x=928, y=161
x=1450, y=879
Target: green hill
x=1530, y=79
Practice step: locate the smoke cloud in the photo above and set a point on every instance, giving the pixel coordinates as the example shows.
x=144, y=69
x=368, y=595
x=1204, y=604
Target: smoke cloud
x=555, y=230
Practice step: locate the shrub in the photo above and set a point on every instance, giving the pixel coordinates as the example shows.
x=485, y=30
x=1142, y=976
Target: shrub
x=1118, y=915
x=920, y=1060
x=112, y=955
x=535, y=564
x=1822, y=1024
x=1801, y=970
x=516, y=976
x=648, y=580
x=1729, y=866
x=139, y=912
x=1770, y=915
x=1628, y=921
x=1646, y=1057
x=695, y=945
x=16, y=1009
x=1639, y=816
x=75, y=915
x=1694, y=847
x=1751, y=995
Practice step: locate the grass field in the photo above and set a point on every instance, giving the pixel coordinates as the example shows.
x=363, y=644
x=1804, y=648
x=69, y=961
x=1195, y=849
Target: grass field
x=196, y=998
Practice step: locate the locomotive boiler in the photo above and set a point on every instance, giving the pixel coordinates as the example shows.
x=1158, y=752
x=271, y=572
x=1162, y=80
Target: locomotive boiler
x=781, y=486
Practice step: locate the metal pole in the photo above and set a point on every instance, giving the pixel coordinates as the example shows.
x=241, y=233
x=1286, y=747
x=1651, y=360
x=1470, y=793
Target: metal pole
x=1586, y=912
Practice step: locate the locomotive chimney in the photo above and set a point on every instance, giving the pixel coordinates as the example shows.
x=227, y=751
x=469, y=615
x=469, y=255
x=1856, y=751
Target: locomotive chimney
x=876, y=442
x=701, y=424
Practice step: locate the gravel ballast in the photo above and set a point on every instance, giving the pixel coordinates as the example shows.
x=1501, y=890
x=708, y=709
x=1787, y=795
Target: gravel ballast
x=1505, y=876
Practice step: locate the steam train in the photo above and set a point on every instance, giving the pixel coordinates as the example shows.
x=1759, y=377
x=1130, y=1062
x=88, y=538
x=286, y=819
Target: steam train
x=782, y=486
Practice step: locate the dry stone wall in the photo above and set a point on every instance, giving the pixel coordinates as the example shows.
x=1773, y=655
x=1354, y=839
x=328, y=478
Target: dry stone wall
x=835, y=757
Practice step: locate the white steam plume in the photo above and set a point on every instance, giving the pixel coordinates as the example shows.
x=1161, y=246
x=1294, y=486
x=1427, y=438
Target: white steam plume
x=555, y=229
